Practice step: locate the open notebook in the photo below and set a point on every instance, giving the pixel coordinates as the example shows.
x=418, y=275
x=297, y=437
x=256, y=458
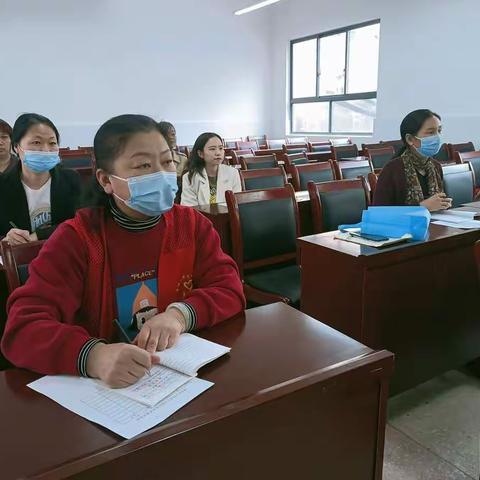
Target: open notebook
x=132, y=410
x=178, y=365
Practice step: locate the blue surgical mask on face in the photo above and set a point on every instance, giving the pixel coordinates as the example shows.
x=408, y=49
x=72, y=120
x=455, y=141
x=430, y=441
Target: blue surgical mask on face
x=429, y=146
x=40, y=162
x=152, y=194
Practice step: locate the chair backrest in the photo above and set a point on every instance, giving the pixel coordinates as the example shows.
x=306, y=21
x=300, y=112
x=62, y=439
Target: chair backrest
x=248, y=145
x=296, y=141
x=268, y=151
x=86, y=149
x=319, y=156
x=443, y=154
x=275, y=144
x=251, y=163
x=293, y=159
x=396, y=144
x=313, y=172
x=338, y=142
x=232, y=142
x=260, y=139
x=459, y=183
x=338, y=202
x=320, y=146
x=352, y=169
x=16, y=260
x=236, y=155
x=295, y=148
x=372, y=180
x=347, y=151
x=264, y=226
x=372, y=146
x=460, y=148
x=86, y=174
x=380, y=156
x=474, y=159
x=77, y=158
x=263, y=178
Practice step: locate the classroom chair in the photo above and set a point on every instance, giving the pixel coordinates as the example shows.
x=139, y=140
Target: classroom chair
x=251, y=163
x=348, y=169
x=346, y=151
x=396, y=144
x=379, y=157
x=474, y=159
x=319, y=156
x=339, y=142
x=248, y=145
x=372, y=179
x=16, y=260
x=275, y=144
x=295, y=148
x=77, y=158
x=313, y=172
x=459, y=183
x=260, y=139
x=443, y=154
x=263, y=178
x=264, y=228
x=320, y=147
x=336, y=203
x=236, y=154
x=460, y=148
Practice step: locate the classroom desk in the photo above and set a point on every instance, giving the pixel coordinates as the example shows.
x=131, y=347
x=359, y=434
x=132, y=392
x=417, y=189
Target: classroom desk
x=218, y=215
x=420, y=300
x=293, y=399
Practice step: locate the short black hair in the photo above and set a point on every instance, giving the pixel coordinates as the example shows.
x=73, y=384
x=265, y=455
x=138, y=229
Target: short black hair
x=26, y=121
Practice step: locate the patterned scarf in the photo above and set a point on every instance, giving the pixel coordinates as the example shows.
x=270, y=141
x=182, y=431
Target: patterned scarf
x=414, y=163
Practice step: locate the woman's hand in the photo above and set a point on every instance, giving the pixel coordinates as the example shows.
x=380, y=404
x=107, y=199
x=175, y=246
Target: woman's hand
x=161, y=331
x=15, y=236
x=436, y=202
x=119, y=364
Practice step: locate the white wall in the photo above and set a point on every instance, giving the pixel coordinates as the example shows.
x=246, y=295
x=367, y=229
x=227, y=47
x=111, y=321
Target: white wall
x=186, y=61
x=428, y=58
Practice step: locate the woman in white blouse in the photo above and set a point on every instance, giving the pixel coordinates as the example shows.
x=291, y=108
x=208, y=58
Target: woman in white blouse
x=207, y=179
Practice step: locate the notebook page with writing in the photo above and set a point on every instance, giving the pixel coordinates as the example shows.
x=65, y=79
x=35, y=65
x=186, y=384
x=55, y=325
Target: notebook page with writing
x=104, y=406
x=150, y=389
x=191, y=353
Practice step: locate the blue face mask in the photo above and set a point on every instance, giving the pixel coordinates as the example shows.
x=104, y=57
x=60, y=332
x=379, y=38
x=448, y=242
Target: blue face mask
x=429, y=146
x=40, y=162
x=152, y=194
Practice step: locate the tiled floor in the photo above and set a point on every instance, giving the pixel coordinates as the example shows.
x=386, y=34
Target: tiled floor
x=434, y=430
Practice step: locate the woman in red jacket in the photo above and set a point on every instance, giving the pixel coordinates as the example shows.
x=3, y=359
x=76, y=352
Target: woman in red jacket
x=134, y=256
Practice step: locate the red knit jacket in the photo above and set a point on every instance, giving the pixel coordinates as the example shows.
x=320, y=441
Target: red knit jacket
x=69, y=299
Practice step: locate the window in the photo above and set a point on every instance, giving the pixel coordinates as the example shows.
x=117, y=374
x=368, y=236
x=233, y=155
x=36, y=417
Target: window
x=333, y=81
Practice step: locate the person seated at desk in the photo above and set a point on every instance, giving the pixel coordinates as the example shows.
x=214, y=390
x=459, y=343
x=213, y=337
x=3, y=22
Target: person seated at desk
x=134, y=256
x=7, y=159
x=415, y=178
x=208, y=178
x=36, y=194
x=170, y=134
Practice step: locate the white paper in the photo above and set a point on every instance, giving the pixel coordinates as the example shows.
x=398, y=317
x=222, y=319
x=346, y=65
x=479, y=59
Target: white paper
x=105, y=406
x=449, y=217
x=465, y=225
x=191, y=353
x=150, y=389
x=460, y=212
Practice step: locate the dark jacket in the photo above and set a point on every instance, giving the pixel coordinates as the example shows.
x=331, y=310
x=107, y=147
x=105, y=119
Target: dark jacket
x=64, y=195
x=13, y=163
x=391, y=186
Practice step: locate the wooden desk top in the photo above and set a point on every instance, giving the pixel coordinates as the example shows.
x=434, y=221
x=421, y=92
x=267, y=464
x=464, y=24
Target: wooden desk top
x=440, y=238
x=275, y=350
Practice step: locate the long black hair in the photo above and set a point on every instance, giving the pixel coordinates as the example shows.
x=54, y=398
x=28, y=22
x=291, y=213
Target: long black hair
x=195, y=163
x=25, y=122
x=413, y=123
x=110, y=141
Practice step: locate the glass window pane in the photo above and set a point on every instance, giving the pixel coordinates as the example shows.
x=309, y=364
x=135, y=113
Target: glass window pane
x=332, y=64
x=304, y=65
x=354, y=116
x=310, y=117
x=362, y=71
